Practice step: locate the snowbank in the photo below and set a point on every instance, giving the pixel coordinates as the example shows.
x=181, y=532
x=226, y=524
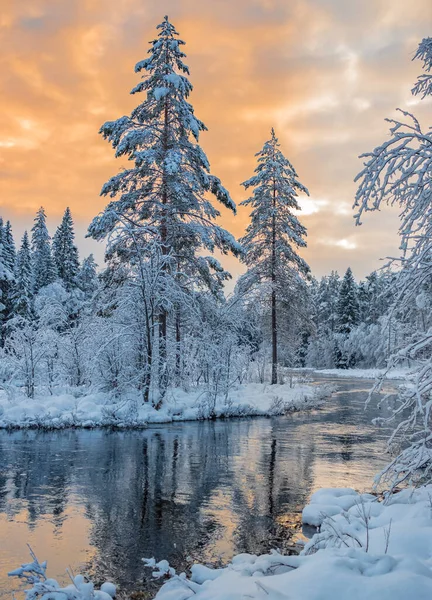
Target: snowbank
x=328, y=502
x=364, y=373
x=366, y=550
x=100, y=410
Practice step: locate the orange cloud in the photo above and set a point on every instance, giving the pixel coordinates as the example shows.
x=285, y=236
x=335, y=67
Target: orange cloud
x=325, y=73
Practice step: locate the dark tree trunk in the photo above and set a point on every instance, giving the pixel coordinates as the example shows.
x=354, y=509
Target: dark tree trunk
x=163, y=315
x=178, y=346
x=274, y=375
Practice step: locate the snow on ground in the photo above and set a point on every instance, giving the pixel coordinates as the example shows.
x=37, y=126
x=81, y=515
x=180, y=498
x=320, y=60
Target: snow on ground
x=365, y=550
x=100, y=410
x=364, y=373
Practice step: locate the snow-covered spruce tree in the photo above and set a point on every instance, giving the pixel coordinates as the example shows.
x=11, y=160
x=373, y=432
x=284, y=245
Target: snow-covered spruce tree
x=22, y=297
x=87, y=277
x=274, y=234
x=348, y=316
x=65, y=252
x=7, y=265
x=399, y=172
x=161, y=202
x=348, y=311
x=321, y=349
x=9, y=253
x=44, y=270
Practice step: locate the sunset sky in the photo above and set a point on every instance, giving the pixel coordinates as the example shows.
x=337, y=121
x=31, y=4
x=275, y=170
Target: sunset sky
x=324, y=73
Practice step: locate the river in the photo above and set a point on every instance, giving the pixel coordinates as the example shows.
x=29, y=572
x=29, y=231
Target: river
x=101, y=500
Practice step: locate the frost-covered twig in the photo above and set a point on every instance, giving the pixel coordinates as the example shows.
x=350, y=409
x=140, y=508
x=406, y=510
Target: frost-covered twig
x=34, y=574
x=399, y=172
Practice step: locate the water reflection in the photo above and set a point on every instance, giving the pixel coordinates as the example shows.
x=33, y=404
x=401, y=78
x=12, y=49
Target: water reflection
x=182, y=491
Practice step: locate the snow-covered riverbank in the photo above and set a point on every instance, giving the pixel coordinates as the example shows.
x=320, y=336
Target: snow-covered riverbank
x=393, y=374
x=100, y=410
x=365, y=550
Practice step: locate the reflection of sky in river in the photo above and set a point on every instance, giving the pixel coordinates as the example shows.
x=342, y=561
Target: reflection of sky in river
x=181, y=491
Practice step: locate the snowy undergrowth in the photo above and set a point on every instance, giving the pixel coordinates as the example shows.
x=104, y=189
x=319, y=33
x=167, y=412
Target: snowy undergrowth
x=365, y=549
x=101, y=410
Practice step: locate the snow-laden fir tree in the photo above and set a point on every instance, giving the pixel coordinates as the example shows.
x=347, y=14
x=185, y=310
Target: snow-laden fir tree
x=23, y=286
x=399, y=172
x=9, y=253
x=7, y=268
x=275, y=233
x=87, y=277
x=327, y=300
x=44, y=270
x=348, y=316
x=160, y=210
x=375, y=296
x=321, y=349
x=65, y=251
x=348, y=311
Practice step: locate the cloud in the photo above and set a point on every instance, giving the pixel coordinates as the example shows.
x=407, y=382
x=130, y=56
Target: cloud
x=325, y=73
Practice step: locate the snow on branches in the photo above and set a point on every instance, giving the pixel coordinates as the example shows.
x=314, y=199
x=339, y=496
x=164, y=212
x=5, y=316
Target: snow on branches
x=80, y=588
x=160, y=211
x=399, y=172
x=275, y=233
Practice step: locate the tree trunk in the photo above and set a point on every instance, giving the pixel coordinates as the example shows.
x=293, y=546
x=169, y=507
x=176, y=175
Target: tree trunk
x=274, y=375
x=163, y=316
x=178, y=347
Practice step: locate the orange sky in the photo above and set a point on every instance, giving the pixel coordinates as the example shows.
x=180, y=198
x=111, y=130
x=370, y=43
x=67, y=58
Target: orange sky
x=324, y=73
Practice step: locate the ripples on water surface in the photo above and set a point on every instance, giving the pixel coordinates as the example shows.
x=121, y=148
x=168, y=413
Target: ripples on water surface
x=102, y=500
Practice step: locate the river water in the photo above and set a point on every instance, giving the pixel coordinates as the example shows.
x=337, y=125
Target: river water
x=101, y=500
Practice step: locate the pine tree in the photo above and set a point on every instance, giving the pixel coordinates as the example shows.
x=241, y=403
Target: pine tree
x=9, y=247
x=65, y=252
x=275, y=232
x=327, y=300
x=44, y=270
x=161, y=204
x=348, y=306
x=348, y=317
x=87, y=277
x=7, y=266
x=23, y=288
x=7, y=262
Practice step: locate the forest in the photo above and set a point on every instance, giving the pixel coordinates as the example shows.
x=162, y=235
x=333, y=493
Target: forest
x=156, y=316
x=67, y=324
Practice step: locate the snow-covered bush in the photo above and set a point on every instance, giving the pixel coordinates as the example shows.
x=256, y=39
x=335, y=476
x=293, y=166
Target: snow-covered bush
x=44, y=588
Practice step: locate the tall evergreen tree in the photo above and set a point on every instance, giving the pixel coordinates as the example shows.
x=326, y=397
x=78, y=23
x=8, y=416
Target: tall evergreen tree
x=348, y=311
x=9, y=247
x=161, y=201
x=65, y=251
x=87, y=276
x=348, y=317
x=23, y=288
x=6, y=279
x=327, y=300
x=44, y=270
x=275, y=232
x=7, y=267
